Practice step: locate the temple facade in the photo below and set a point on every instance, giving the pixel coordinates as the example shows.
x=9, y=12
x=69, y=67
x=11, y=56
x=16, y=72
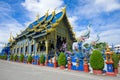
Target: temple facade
x=48, y=34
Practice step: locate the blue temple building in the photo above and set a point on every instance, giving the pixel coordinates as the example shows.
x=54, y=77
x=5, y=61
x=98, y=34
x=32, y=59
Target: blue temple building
x=45, y=35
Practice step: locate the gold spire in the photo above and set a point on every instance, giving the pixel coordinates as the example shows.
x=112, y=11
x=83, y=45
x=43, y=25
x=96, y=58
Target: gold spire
x=5, y=45
x=47, y=12
x=107, y=48
x=37, y=16
x=10, y=39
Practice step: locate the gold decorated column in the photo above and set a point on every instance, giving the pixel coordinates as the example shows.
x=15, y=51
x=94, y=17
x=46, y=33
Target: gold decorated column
x=55, y=40
x=46, y=44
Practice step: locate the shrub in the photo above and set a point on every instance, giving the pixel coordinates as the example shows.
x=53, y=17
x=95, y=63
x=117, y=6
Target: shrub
x=118, y=56
x=21, y=57
x=15, y=57
x=11, y=57
x=115, y=60
x=5, y=57
x=42, y=59
x=62, y=61
x=29, y=59
x=96, y=60
x=1, y=57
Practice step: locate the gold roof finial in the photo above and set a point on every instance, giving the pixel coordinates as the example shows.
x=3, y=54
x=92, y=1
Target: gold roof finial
x=54, y=11
x=107, y=48
x=37, y=16
x=47, y=12
x=64, y=7
x=17, y=34
x=10, y=39
x=5, y=45
x=55, y=8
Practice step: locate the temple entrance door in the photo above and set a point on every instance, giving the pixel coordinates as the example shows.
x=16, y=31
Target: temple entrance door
x=41, y=47
x=51, y=50
x=61, y=44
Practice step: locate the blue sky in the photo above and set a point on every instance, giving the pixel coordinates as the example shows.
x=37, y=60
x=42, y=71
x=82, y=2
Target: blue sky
x=104, y=15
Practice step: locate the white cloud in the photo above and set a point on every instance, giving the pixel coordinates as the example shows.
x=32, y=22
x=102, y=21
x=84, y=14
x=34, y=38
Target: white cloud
x=107, y=5
x=111, y=36
x=72, y=20
x=93, y=8
x=41, y=6
x=7, y=23
x=7, y=28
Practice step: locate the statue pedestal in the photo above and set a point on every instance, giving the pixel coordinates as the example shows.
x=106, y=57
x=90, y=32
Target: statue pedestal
x=109, y=67
x=55, y=64
x=80, y=66
x=46, y=62
x=69, y=66
x=110, y=71
x=86, y=69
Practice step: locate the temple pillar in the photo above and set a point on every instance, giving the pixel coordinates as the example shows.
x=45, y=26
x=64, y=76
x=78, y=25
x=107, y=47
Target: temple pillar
x=46, y=44
x=55, y=39
x=24, y=46
x=15, y=49
x=35, y=48
x=12, y=50
x=19, y=49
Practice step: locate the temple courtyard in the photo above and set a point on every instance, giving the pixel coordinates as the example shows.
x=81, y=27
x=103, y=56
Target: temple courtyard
x=20, y=71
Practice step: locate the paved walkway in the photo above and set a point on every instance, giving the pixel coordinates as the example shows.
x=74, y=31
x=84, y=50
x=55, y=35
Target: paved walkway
x=19, y=71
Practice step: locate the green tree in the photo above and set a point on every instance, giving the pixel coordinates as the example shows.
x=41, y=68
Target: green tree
x=115, y=60
x=42, y=59
x=62, y=61
x=29, y=59
x=86, y=45
x=15, y=57
x=21, y=57
x=100, y=46
x=11, y=57
x=96, y=60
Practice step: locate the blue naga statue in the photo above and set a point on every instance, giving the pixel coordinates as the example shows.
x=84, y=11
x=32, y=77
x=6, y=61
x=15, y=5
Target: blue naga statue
x=78, y=49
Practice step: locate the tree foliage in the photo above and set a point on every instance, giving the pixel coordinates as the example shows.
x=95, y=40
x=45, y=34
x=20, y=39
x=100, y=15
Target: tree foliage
x=100, y=46
x=62, y=61
x=11, y=57
x=96, y=60
x=15, y=57
x=42, y=59
x=21, y=57
x=29, y=59
x=86, y=45
x=115, y=60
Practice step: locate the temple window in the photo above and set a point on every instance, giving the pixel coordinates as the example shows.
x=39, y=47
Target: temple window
x=42, y=46
x=61, y=43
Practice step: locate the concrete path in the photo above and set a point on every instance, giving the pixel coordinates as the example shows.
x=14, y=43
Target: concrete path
x=19, y=71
